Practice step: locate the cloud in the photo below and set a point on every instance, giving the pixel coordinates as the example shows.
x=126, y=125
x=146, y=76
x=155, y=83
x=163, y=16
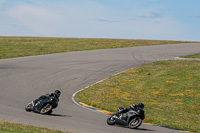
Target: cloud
x=12, y=27
x=196, y=17
x=90, y=20
x=106, y=20
x=2, y=2
x=152, y=15
x=41, y=20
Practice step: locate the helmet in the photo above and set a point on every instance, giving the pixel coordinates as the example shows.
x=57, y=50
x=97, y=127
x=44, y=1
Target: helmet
x=133, y=106
x=57, y=93
x=140, y=105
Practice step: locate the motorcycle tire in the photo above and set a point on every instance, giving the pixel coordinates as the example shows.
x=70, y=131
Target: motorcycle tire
x=111, y=120
x=29, y=107
x=46, y=109
x=135, y=123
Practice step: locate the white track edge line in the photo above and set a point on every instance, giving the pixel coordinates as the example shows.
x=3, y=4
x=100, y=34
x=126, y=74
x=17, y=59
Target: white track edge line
x=73, y=96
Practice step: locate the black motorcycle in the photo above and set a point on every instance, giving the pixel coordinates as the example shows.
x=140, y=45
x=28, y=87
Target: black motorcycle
x=43, y=106
x=132, y=119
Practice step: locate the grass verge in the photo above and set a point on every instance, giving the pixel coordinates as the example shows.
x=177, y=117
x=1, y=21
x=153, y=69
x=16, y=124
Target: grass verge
x=192, y=56
x=170, y=91
x=11, y=47
x=7, y=127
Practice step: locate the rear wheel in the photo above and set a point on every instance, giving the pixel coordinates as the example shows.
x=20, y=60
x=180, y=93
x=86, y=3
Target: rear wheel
x=111, y=120
x=135, y=122
x=46, y=109
x=29, y=107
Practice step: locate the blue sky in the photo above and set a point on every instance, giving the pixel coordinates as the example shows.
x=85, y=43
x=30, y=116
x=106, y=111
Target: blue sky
x=122, y=19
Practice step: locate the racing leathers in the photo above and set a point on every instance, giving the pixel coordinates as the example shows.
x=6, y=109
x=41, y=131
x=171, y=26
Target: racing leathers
x=124, y=110
x=47, y=96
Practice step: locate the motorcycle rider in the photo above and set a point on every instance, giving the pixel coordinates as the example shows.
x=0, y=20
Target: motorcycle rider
x=56, y=94
x=132, y=107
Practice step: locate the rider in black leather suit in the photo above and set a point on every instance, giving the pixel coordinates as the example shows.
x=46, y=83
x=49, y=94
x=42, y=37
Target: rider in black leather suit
x=56, y=94
x=132, y=107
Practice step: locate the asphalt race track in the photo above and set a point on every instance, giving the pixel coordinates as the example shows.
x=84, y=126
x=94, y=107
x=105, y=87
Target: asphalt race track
x=24, y=79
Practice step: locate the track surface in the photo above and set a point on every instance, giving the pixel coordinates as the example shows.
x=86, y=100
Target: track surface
x=24, y=79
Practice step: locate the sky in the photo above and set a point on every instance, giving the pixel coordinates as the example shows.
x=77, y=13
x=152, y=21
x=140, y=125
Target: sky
x=116, y=19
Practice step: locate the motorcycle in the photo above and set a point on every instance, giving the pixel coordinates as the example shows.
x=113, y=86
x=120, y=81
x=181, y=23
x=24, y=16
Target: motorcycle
x=43, y=106
x=132, y=119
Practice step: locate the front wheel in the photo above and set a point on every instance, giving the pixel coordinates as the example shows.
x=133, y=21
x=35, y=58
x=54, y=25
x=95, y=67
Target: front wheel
x=135, y=122
x=29, y=107
x=111, y=120
x=47, y=109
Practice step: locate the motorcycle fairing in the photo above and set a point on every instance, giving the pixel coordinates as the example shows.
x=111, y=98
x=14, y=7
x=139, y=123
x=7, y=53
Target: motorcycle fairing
x=126, y=117
x=38, y=106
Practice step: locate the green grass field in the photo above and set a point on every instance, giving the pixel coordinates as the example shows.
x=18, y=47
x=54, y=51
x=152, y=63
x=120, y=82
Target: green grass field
x=170, y=91
x=11, y=47
x=193, y=56
x=7, y=127
x=164, y=90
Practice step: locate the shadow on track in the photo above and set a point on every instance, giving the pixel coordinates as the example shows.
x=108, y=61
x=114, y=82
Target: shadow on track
x=59, y=115
x=139, y=129
x=143, y=129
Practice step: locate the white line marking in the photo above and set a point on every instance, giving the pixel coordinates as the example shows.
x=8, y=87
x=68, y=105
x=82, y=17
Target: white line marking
x=73, y=96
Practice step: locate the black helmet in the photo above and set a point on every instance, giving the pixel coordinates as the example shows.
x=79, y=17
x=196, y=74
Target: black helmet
x=57, y=93
x=140, y=105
